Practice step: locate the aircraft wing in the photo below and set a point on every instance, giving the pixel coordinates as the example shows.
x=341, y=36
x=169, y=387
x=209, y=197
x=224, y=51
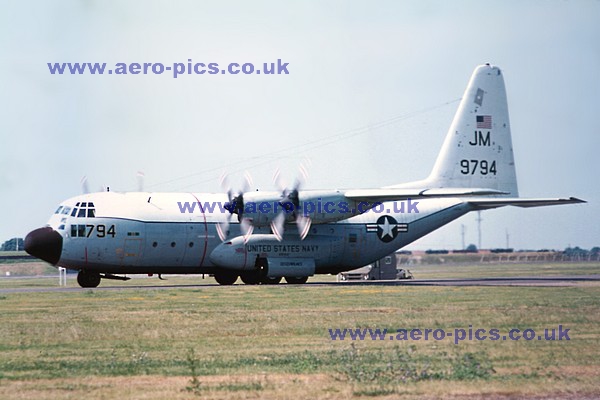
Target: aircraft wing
x=484, y=204
x=375, y=195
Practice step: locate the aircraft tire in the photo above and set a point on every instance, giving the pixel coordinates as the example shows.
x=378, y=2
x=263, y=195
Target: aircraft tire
x=226, y=277
x=296, y=280
x=250, y=278
x=88, y=279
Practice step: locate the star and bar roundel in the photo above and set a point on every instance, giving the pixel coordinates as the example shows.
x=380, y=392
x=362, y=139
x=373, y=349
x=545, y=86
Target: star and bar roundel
x=387, y=228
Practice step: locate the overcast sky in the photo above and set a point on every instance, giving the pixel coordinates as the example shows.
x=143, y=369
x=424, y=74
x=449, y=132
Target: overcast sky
x=398, y=67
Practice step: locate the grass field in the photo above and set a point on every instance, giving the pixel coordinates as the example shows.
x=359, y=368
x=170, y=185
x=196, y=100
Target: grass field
x=273, y=341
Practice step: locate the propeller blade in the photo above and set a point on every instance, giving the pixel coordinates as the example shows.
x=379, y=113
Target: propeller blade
x=223, y=228
x=224, y=182
x=303, y=224
x=277, y=226
x=302, y=176
x=140, y=181
x=84, y=185
x=247, y=228
x=277, y=181
x=248, y=182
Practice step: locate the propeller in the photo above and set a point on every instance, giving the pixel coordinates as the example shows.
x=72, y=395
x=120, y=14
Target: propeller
x=235, y=205
x=140, y=176
x=290, y=203
x=85, y=188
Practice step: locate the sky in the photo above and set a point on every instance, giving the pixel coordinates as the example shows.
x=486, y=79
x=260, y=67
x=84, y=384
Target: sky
x=371, y=91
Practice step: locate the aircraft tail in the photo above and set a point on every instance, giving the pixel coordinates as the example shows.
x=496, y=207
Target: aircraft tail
x=478, y=151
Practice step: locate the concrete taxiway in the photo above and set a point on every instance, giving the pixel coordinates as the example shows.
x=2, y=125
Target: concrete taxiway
x=537, y=281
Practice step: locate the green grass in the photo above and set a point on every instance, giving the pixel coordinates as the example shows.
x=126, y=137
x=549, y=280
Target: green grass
x=236, y=341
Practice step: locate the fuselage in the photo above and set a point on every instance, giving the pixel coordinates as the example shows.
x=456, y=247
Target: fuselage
x=127, y=233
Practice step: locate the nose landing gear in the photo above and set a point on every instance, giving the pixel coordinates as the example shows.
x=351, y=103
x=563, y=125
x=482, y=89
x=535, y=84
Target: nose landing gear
x=88, y=279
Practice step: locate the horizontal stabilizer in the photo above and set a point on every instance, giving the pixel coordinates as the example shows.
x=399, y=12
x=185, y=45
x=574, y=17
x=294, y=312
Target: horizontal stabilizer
x=391, y=194
x=486, y=204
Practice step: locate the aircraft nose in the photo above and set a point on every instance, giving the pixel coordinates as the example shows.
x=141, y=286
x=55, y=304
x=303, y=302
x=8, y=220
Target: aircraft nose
x=45, y=244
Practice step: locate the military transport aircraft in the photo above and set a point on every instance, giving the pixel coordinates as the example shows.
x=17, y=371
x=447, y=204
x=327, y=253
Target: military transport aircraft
x=108, y=235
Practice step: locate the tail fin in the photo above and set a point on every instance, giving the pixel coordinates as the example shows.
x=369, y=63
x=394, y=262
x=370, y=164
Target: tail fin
x=477, y=151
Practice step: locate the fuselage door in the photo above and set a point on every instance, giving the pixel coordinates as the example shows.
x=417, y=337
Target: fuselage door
x=354, y=245
x=131, y=252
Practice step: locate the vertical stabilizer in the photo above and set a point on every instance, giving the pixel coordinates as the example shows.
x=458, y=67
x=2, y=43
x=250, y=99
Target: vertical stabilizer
x=477, y=151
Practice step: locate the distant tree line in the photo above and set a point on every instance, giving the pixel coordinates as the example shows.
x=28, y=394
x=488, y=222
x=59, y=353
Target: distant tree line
x=569, y=251
x=577, y=251
x=12, y=245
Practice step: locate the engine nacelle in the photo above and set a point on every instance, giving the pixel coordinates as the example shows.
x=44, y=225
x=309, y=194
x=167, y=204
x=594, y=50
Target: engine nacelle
x=288, y=258
x=320, y=206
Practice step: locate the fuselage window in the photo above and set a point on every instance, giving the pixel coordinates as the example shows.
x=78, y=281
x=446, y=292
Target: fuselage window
x=154, y=244
x=352, y=238
x=191, y=244
x=172, y=244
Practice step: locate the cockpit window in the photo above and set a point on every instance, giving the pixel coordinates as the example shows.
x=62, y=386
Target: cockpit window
x=81, y=210
x=58, y=210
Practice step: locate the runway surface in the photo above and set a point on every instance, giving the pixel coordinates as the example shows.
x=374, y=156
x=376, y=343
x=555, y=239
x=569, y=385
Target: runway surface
x=535, y=281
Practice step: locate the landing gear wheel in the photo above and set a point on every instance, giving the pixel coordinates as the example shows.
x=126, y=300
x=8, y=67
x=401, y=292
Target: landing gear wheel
x=226, y=277
x=270, y=280
x=296, y=280
x=88, y=279
x=250, y=278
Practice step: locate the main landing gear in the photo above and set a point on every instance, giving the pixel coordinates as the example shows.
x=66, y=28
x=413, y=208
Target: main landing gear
x=226, y=277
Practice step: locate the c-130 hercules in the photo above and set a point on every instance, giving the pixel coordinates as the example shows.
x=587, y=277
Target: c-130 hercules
x=107, y=235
